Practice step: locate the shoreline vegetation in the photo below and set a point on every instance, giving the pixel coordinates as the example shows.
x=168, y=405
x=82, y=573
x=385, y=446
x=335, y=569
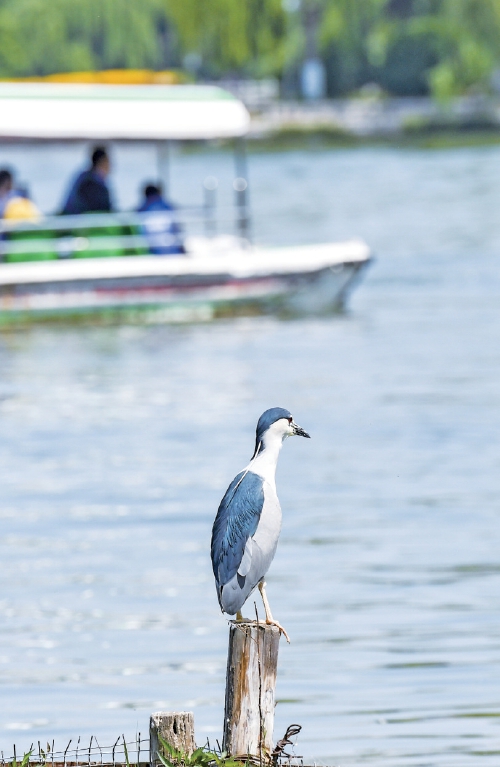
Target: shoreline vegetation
x=318, y=139
x=466, y=121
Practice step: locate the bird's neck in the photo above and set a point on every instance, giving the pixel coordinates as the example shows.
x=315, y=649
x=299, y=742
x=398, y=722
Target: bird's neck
x=265, y=462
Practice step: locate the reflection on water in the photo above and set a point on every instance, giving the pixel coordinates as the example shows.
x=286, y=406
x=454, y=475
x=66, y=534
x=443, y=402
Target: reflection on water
x=117, y=444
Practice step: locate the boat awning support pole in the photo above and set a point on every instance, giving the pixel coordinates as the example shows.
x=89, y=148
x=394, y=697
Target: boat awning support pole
x=240, y=186
x=163, y=165
x=210, y=185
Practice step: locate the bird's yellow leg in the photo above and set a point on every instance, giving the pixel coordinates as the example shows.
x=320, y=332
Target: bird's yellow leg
x=269, y=618
x=240, y=619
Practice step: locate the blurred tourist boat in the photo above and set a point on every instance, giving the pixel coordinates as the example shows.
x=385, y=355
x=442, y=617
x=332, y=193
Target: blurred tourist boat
x=218, y=276
x=101, y=264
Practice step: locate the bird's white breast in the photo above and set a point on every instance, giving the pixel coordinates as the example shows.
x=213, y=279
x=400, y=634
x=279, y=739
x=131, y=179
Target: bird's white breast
x=269, y=527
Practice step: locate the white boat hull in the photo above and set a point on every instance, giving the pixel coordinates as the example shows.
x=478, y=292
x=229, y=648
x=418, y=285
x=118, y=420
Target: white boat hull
x=301, y=279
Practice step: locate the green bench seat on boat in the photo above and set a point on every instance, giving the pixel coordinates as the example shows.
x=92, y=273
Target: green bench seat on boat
x=85, y=242
x=106, y=241
x=39, y=246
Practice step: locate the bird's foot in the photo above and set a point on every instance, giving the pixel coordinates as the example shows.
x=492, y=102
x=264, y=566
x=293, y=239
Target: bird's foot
x=271, y=622
x=240, y=619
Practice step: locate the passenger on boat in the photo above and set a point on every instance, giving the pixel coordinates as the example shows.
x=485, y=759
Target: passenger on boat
x=6, y=189
x=20, y=208
x=89, y=192
x=160, y=225
x=14, y=202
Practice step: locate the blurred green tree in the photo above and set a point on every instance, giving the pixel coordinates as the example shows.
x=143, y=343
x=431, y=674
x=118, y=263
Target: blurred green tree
x=232, y=35
x=463, y=35
x=466, y=36
x=343, y=36
x=39, y=37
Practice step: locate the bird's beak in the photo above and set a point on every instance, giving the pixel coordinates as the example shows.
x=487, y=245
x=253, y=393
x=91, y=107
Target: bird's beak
x=298, y=431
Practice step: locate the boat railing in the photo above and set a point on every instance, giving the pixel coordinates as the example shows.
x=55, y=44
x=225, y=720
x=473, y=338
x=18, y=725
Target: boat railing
x=95, y=235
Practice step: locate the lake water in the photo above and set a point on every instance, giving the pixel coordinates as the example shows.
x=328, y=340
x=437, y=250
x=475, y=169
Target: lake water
x=116, y=445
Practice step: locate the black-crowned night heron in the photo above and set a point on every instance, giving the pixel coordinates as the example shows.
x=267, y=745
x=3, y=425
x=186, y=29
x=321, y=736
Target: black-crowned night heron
x=248, y=523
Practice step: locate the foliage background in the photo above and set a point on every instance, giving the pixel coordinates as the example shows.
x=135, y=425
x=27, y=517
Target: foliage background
x=407, y=47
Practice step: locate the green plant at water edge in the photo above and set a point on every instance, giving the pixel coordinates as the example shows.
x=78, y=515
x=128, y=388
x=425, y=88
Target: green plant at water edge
x=125, y=751
x=25, y=760
x=202, y=757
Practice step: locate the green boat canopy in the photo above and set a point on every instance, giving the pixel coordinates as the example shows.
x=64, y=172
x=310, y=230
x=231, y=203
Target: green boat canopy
x=56, y=111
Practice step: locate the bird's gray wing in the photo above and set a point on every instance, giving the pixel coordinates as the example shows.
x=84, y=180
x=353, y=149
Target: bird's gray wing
x=235, y=524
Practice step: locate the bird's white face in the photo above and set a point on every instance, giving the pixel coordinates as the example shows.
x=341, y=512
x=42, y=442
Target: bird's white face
x=277, y=433
x=283, y=428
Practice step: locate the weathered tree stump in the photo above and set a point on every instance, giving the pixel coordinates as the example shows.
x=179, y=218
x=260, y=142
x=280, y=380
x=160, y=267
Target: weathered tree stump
x=252, y=665
x=177, y=728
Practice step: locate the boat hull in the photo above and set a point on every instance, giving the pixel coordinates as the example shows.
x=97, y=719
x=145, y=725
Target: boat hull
x=181, y=288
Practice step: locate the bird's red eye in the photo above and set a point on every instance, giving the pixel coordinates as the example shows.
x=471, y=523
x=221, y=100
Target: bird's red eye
x=290, y=420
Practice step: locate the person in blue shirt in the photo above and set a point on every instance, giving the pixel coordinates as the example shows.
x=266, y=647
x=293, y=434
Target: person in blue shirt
x=89, y=192
x=160, y=225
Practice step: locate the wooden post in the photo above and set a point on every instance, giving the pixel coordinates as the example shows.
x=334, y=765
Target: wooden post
x=252, y=665
x=177, y=728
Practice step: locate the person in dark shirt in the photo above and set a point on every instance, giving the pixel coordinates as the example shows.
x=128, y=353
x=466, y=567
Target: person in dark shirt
x=89, y=193
x=160, y=225
x=6, y=189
